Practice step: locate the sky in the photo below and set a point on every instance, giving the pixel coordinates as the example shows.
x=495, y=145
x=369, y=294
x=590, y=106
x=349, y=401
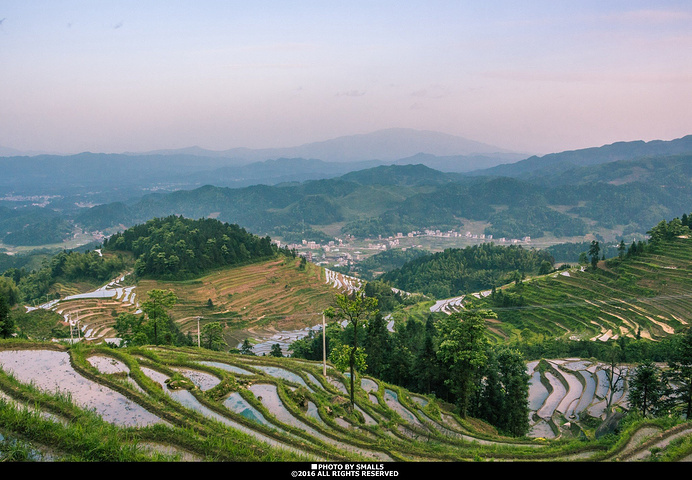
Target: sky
x=532, y=76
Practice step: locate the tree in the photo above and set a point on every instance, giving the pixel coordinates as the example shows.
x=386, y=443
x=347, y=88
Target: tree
x=503, y=393
x=463, y=350
x=594, y=250
x=679, y=373
x=616, y=376
x=276, y=351
x=212, y=336
x=6, y=322
x=377, y=345
x=246, y=348
x=356, y=309
x=129, y=329
x=9, y=291
x=426, y=365
x=155, y=310
x=646, y=388
x=545, y=268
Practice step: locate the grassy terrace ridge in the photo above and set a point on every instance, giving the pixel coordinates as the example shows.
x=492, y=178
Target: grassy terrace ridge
x=198, y=423
x=647, y=296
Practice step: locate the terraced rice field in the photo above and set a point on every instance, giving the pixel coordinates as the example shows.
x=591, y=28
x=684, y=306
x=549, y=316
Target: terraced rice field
x=648, y=296
x=269, y=297
x=565, y=393
x=92, y=314
x=286, y=406
x=276, y=292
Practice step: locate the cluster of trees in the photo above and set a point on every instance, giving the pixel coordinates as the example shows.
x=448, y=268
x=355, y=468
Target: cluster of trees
x=21, y=285
x=385, y=261
x=450, y=357
x=659, y=391
x=440, y=209
x=664, y=230
x=155, y=326
x=669, y=230
x=534, y=221
x=32, y=226
x=177, y=247
x=457, y=271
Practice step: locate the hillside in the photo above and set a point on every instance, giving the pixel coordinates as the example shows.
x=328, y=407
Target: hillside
x=612, y=200
x=177, y=248
x=253, y=301
x=250, y=301
x=454, y=272
x=387, y=200
x=646, y=295
x=556, y=163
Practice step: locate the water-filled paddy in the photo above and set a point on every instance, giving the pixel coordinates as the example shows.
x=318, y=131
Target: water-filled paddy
x=51, y=371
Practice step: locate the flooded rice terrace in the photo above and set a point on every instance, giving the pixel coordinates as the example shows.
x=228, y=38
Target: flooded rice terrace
x=52, y=372
x=562, y=392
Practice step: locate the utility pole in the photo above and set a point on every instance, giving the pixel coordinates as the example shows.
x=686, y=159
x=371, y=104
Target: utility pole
x=324, y=347
x=198, y=336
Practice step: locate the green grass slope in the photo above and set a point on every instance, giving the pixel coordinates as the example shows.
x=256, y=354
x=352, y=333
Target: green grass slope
x=647, y=296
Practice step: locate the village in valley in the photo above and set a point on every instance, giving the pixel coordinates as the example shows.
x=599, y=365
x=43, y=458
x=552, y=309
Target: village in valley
x=342, y=252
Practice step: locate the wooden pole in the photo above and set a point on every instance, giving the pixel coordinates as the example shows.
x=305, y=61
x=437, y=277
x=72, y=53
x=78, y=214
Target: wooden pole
x=324, y=347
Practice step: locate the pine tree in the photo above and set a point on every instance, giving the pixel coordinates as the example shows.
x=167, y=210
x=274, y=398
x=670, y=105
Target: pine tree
x=646, y=388
x=6, y=322
x=463, y=350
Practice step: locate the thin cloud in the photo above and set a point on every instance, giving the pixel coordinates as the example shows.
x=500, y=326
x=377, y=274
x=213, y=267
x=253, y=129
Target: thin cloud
x=589, y=77
x=652, y=16
x=351, y=93
x=433, y=91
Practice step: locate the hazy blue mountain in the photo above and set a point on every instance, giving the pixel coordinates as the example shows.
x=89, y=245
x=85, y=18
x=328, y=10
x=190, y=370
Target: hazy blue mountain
x=399, y=175
x=384, y=145
x=460, y=163
x=557, y=163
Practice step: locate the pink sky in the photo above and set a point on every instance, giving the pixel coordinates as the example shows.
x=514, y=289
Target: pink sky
x=536, y=76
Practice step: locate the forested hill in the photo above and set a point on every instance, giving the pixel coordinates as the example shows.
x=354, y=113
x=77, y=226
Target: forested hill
x=458, y=271
x=556, y=163
x=177, y=247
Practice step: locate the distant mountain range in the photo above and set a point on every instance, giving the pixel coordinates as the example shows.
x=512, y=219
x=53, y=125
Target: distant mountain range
x=384, y=145
x=622, y=187
x=132, y=173
x=556, y=164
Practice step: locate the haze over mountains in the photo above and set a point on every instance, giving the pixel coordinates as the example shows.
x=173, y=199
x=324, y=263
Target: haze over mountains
x=384, y=145
x=193, y=167
x=621, y=188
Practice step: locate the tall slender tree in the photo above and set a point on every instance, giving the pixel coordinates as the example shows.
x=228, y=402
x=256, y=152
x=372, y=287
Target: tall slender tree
x=6, y=323
x=679, y=373
x=503, y=393
x=155, y=308
x=594, y=250
x=357, y=310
